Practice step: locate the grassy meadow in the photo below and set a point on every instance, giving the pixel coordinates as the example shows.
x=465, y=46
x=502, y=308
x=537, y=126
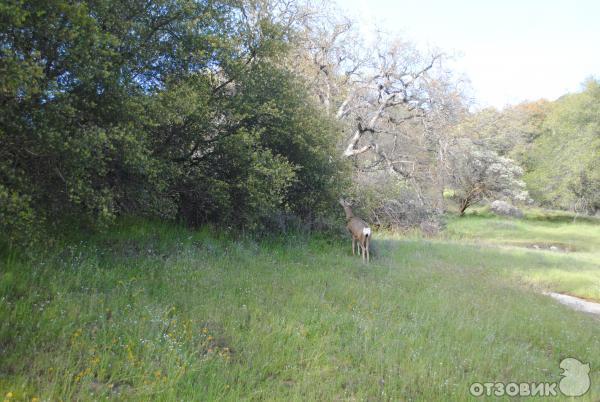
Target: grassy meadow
x=149, y=311
x=567, y=250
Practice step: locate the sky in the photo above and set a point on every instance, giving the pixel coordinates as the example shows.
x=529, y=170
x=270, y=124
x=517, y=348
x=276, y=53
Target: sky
x=510, y=50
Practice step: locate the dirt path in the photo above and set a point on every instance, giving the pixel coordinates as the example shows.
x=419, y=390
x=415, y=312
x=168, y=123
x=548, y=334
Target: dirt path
x=576, y=303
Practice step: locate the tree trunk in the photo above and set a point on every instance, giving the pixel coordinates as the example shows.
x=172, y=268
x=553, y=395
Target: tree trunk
x=464, y=204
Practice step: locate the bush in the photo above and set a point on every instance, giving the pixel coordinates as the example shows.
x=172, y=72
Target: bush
x=17, y=217
x=176, y=111
x=388, y=203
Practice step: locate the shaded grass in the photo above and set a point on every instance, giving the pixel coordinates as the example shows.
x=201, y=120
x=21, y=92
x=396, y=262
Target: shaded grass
x=157, y=312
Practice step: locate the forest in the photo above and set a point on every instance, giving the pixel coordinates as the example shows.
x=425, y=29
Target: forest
x=259, y=115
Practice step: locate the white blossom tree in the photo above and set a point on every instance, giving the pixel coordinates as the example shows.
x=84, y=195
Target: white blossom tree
x=476, y=173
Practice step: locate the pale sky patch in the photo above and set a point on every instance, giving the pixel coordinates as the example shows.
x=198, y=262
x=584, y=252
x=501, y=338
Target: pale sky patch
x=511, y=50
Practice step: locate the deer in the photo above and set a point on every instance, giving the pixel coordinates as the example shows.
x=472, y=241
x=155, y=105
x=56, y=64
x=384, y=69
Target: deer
x=359, y=229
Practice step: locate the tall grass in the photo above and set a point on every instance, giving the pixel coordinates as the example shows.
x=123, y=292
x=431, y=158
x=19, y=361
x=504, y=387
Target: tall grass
x=156, y=312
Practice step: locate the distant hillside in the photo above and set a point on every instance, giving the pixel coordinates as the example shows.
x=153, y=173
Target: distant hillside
x=557, y=144
x=563, y=165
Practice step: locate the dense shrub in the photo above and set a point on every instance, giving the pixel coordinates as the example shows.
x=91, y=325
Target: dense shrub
x=176, y=108
x=564, y=160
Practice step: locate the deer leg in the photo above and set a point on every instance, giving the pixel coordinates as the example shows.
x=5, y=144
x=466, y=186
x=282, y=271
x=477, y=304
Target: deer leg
x=367, y=248
x=362, y=246
x=353, y=242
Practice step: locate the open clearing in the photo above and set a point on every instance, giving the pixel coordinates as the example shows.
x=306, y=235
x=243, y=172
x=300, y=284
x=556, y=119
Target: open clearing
x=157, y=312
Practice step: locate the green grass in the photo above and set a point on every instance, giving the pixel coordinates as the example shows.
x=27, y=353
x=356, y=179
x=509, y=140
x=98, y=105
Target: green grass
x=157, y=312
x=564, y=254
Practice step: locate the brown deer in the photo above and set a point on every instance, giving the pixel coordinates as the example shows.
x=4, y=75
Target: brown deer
x=360, y=231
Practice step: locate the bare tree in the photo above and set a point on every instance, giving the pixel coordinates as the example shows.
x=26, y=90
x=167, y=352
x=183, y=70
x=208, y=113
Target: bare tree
x=394, y=102
x=373, y=88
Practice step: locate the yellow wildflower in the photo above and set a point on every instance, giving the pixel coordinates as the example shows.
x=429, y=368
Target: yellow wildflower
x=9, y=394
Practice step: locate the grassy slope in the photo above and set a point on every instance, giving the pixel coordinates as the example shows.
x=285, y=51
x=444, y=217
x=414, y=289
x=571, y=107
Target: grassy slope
x=573, y=267
x=157, y=312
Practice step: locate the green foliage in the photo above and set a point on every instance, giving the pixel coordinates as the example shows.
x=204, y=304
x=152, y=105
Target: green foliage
x=557, y=144
x=586, y=188
x=170, y=108
x=565, y=159
x=291, y=126
x=507, y=132
x=275, y=153
x=17, y=217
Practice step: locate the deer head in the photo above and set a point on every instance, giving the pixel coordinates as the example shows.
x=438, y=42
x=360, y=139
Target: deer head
x=347, y=208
